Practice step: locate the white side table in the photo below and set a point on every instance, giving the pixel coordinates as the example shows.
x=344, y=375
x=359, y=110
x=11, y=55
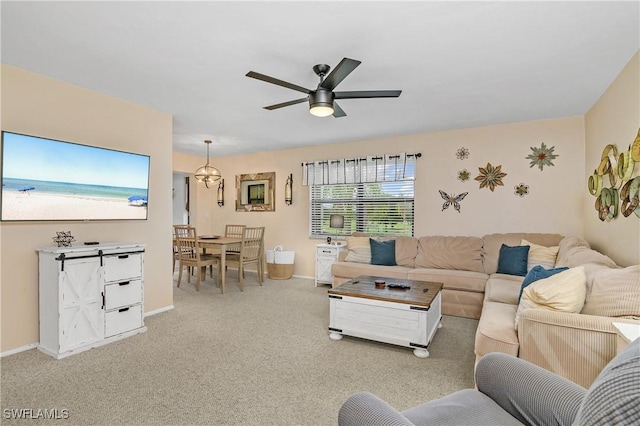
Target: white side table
x=326, y=255
x=627, y=333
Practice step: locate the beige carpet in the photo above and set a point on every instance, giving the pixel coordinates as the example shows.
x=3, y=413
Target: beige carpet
x=262, y=357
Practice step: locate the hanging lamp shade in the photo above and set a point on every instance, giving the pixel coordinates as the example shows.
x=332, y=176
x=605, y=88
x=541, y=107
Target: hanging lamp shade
x=207, y=173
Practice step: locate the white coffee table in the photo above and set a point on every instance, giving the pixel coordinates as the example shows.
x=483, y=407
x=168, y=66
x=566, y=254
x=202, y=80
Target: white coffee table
x=407, y=318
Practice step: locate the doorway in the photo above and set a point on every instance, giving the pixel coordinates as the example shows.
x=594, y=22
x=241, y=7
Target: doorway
x=181, y=199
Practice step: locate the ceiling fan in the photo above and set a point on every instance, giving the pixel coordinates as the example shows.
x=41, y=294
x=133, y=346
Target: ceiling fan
x=322, y=99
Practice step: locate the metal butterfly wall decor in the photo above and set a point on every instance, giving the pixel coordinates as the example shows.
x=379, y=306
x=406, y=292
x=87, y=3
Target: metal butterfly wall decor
x=452, y=200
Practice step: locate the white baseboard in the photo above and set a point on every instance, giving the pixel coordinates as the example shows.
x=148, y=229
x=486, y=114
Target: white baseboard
x=18, y=350
x=304, y=276
x=158, y=311
x=253, y=271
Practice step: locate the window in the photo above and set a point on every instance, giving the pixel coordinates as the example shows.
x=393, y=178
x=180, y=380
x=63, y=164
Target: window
x=377, y=208
x=374, y=194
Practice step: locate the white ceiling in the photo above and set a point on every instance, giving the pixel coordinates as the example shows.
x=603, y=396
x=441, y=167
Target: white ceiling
x=458, y=64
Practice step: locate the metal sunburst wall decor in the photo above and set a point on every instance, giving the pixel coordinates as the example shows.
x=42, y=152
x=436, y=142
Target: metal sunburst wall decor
x=464, y=175
x=63, y=238
x=521, y=189
x=541, y=156
x=490, y=176
x=462, y=153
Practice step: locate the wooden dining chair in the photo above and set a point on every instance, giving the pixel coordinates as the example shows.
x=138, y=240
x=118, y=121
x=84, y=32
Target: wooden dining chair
x=234, y=231
x=184, y=231
x=251, y=251
x=191, y=256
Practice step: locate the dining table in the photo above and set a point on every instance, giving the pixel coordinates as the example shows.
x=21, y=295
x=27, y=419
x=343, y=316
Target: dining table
x=223, y=244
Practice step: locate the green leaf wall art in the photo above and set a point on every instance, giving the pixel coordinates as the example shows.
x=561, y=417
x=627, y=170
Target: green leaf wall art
x=541, y=156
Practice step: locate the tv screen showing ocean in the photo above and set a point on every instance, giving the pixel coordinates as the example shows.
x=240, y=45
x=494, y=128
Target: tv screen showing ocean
x=72, y=189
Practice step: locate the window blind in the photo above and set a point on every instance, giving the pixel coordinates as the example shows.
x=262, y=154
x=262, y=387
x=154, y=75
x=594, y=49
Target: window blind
x=375, y=195
x=374, y=168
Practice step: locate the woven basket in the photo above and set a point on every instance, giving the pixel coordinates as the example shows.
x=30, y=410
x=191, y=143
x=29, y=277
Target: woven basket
x=280, y=271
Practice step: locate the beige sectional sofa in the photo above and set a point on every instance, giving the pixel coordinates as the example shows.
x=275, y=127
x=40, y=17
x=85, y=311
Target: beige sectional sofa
x=574, y=345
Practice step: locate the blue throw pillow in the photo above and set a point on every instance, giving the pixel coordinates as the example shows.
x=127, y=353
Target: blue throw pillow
x=383, y=252
x=538, y=273
x=513, y=260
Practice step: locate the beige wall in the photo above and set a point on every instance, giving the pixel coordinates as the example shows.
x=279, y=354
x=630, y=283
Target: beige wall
x=558, y=200
x=614, y=119
x=553, y=205
x=41, y=106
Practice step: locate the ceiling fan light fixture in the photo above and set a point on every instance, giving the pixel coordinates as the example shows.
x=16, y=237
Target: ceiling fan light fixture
x=207, y=173
x=321, y=110
x=321, y=100
x=321, y=103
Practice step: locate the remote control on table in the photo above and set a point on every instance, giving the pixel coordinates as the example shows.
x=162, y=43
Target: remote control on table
x=400, y=286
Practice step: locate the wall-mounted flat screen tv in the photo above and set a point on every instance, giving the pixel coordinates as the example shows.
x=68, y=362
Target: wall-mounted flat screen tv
x=48, y=180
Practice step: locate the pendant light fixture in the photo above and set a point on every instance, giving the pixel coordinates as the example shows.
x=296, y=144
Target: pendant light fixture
x=208, y=174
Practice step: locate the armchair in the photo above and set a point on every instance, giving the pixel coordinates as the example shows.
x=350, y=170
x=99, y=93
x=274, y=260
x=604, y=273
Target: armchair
x=512, y=391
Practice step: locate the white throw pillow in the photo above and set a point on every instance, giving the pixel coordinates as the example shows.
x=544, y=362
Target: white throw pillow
x=564, y=292
x=359, y=250
x=540, y=255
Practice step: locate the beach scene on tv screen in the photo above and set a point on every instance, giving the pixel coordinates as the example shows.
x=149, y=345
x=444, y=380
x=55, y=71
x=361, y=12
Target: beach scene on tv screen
x=44, y=179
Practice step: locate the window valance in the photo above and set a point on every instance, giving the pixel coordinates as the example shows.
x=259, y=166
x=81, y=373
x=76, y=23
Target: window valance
x=381, y=168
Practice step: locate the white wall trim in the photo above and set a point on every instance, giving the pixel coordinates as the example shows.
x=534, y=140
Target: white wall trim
x=158, y=311
x=18, y=350
x=304, y=276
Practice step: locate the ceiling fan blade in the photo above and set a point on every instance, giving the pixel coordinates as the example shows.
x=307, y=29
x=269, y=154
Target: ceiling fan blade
x=339, y=73
x=337, y=111
x=368, y=94
x=285, y=104
x=276, y=81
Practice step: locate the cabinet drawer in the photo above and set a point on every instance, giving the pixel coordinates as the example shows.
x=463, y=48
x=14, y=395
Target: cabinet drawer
x=119, y=267
x=122, y=320
x=328, y=252
x=122, y=294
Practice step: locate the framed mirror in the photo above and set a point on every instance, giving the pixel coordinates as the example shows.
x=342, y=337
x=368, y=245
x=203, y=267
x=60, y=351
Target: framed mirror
x=255, y=192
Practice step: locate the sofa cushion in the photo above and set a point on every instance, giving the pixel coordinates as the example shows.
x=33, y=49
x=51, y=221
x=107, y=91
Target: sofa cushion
x=353, y=269
x=574, y=251
x=538, y=273
x=495, y=331
x=513, y=260
x=359, y=250
x=614, y=293
x=508, y=277
x=383, y=252
x=540, y=255
x=451, y=279
x=406, y=251
x=446, y=252
x=502, y=290
x=491, y=244
x=462, y=303
x=564, y=292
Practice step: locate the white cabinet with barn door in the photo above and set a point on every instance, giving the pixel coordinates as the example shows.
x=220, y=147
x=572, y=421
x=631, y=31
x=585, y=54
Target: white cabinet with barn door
x=90, y=296
x=326, y=256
